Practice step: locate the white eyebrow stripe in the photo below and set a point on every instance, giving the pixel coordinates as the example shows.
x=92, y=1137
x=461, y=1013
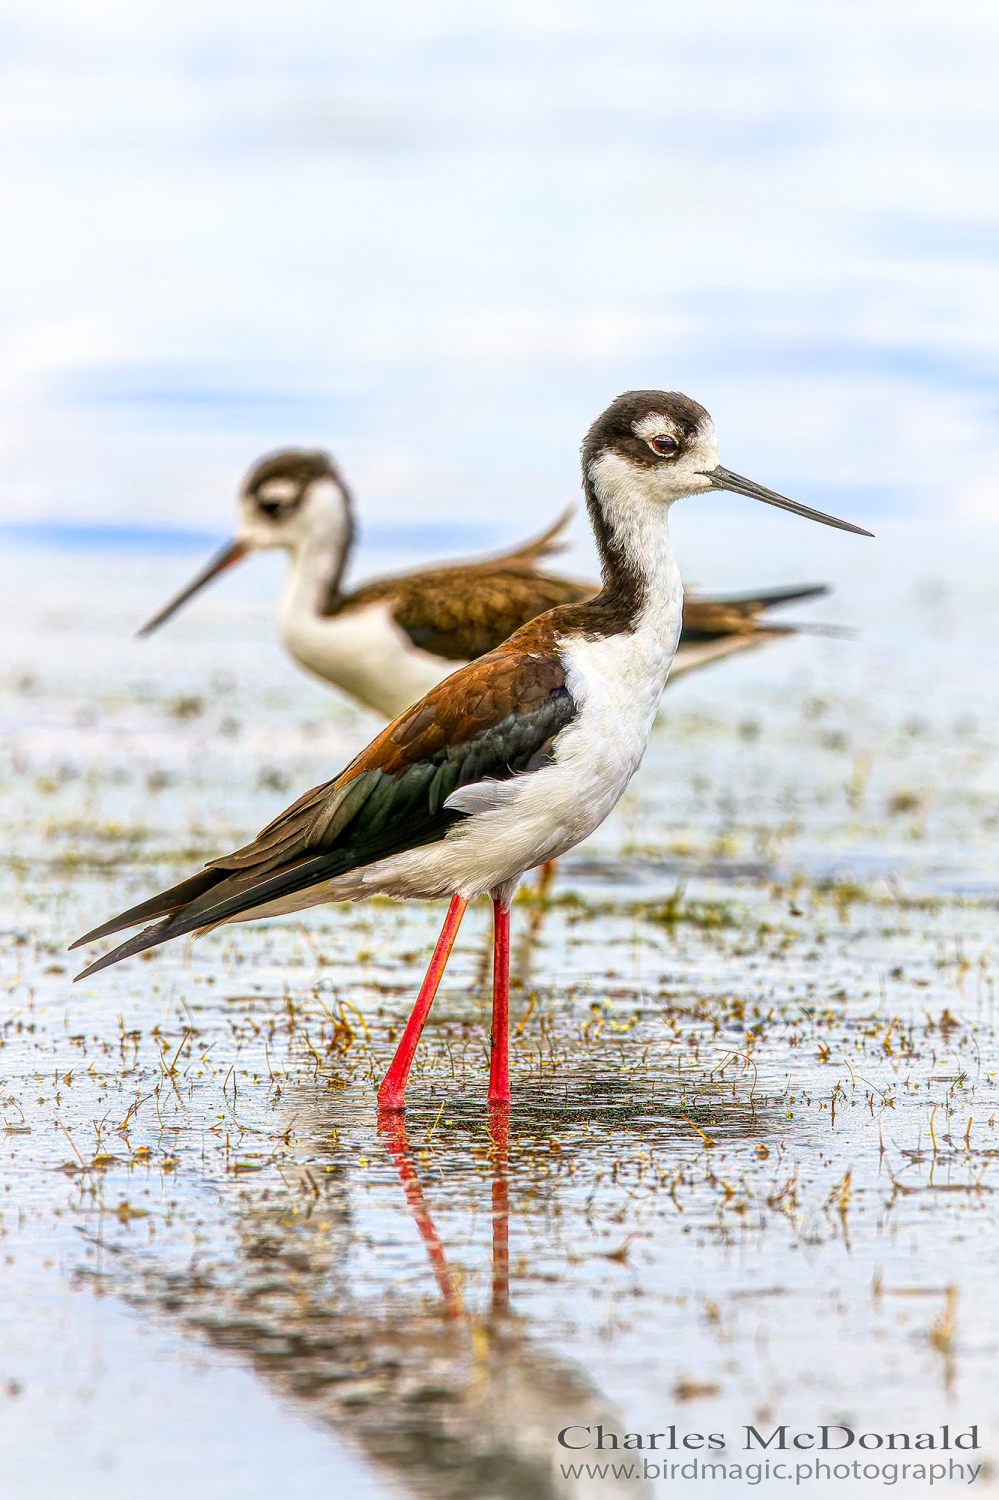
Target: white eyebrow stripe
x=655, y=424
x=278, y=489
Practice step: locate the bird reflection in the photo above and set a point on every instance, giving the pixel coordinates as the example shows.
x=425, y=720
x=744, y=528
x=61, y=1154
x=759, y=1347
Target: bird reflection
x=443, y=1400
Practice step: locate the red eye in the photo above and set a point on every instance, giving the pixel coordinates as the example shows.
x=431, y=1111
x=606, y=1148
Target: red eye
x=663, y=444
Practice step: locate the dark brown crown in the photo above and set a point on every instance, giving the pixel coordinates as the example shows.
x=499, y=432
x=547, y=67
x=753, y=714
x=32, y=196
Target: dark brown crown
x=299, y=465
x=614, y=430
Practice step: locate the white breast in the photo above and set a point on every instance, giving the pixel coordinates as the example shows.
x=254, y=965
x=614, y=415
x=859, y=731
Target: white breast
x=616, y=683
x=366, y=654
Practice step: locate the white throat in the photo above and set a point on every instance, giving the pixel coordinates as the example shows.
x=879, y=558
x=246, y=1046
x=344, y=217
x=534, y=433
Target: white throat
x=638, y=518
x=317, y=551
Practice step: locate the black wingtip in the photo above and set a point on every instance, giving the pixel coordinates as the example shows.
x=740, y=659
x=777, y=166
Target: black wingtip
x=150, y=937
x=100, y=963
x=95, y=968
x=771, y=598
x=163, y=905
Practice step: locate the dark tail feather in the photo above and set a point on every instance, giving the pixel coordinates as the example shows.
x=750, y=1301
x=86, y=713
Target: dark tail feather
x=211, y=902
x=158, y=906
x=215, y=896
x=708, y=617
x=149, y=937
x=770, y=598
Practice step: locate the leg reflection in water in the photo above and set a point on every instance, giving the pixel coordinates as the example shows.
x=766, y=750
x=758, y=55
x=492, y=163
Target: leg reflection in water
x=515, y=1394
x=499, y=1126
x=392, y=1127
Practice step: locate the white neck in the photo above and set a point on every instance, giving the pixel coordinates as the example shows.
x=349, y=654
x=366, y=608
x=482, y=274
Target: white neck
x=639, y=565
x=318, y=550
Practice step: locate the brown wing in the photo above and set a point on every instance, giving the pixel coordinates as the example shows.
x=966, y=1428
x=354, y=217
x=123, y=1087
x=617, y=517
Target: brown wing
x=461, y=614
x=464, y=610
x=493, y=719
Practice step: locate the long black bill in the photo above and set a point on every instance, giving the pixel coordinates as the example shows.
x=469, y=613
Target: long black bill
x=724, y=479
x=231, y=553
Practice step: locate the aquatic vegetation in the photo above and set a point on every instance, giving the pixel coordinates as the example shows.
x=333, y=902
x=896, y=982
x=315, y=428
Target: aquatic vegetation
x=751, y=1156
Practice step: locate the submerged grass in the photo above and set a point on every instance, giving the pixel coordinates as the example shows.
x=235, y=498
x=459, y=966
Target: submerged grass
x=206, y=1125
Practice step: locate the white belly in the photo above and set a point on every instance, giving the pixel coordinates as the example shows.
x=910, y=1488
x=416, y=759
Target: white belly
x=365, y=653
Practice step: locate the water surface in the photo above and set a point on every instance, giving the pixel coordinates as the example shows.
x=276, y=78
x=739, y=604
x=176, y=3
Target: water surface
x=747, y=1177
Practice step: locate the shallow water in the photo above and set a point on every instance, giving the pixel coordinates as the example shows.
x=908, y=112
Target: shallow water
x=747, y=1177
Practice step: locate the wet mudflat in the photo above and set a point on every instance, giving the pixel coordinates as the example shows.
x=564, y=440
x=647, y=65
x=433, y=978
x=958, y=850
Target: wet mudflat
x=749, y=1175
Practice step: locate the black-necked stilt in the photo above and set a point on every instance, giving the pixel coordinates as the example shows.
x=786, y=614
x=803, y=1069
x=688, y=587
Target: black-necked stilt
x=509, y=762
x=389, y=642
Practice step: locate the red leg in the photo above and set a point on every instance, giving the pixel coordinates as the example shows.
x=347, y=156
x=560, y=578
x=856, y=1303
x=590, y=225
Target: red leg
x=392, y=1094
x=499, y=1055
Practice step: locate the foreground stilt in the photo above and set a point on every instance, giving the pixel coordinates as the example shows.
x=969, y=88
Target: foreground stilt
x=499, y=1051
x=392, y=1094
x=473, y=783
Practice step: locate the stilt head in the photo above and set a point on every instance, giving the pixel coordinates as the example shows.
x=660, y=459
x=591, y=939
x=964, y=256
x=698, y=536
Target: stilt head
x=661, y=445
x=654, y=443
x=294, y=499
x=288, y=496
